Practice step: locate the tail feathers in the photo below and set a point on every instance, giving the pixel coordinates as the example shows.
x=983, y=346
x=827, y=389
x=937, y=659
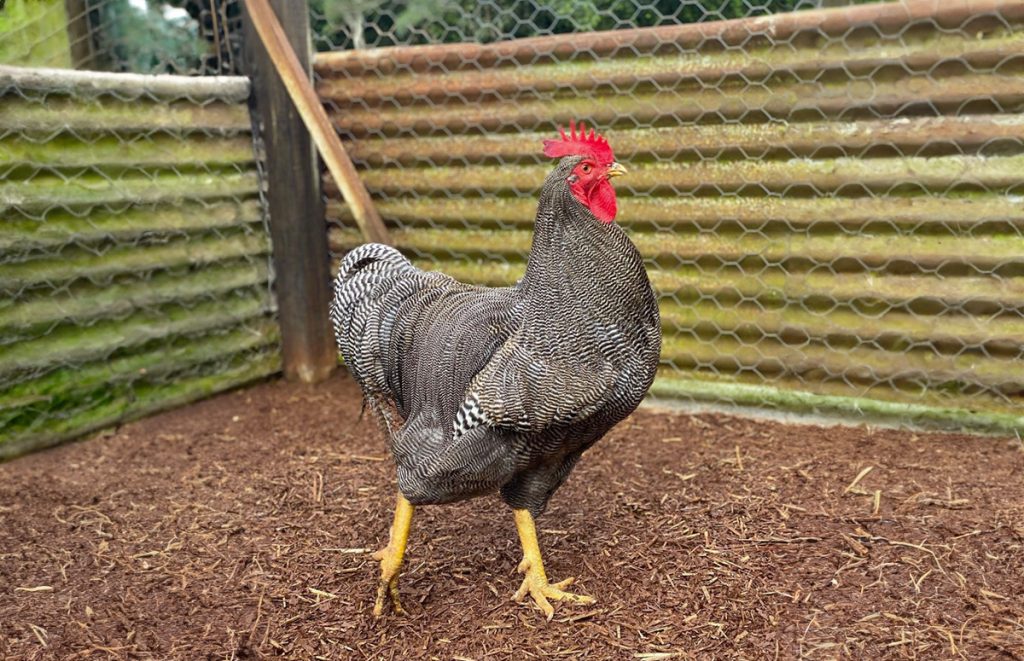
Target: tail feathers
x=372, y=253
x=372, y=283
x=365, y=275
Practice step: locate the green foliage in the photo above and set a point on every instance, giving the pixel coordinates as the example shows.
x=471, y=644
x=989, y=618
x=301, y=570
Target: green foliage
x=358, y=23
x=33, y=33
x=145, y=41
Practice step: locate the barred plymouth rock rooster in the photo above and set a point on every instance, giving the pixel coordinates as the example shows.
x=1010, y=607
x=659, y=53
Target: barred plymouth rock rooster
x=502, y=389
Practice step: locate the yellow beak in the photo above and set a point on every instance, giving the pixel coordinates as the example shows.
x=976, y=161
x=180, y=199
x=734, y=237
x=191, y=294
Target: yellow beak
x=616, y=170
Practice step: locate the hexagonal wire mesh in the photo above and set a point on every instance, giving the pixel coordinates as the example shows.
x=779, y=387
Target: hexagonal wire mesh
x=828, y=200
x=829, y=207
x=134, y=258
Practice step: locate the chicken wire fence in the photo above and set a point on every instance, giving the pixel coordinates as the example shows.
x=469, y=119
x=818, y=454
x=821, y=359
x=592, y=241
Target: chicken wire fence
x=134, y=256
x=828, y=198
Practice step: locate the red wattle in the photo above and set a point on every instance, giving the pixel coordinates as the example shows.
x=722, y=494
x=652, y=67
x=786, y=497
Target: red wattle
x=602, y=202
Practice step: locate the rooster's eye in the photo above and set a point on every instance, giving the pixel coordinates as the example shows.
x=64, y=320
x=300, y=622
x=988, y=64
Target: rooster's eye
x=586, y=168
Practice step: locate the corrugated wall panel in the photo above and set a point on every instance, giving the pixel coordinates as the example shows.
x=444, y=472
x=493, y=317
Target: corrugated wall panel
x=831, y=203
x=134, y=265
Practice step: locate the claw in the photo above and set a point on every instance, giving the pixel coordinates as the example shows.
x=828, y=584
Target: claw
x=386, y=589
x=536, y=585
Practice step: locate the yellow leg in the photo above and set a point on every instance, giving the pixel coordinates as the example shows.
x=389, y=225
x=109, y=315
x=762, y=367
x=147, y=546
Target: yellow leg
x=391, y=557
x=535, y=582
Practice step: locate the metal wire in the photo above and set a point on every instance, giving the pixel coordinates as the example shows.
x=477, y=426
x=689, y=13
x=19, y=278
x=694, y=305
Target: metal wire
x=134, y=258
x=829, y=200
x=828, y=197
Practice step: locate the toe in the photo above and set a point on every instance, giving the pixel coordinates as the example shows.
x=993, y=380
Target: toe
x=543, y=593
x=563, y=584
x=382, y=594
x=569, y=596
x=395, y=601
x=543, y=604
x=555, y=591
x=387, y=591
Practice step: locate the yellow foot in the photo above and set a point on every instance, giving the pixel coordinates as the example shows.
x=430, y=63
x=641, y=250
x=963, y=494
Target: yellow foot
x=536, y=585
x=391, y=558
x=387, y=587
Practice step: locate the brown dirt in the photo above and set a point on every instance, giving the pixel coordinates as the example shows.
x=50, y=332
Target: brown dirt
x=241, y=527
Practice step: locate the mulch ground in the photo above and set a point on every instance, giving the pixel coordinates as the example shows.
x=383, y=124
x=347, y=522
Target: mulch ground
x=241, y=527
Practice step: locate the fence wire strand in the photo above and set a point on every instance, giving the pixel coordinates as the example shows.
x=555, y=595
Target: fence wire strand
x=828, y=200
x=828, y=193
x=134, y=253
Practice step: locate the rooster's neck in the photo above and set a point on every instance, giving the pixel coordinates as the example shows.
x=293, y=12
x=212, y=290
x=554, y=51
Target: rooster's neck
x=576, y=262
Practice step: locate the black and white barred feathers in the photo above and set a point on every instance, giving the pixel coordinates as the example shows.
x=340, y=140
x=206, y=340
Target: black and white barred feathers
x=485, y=389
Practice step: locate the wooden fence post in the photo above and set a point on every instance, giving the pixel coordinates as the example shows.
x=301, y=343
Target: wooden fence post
x=80, y=34
x=297, y=220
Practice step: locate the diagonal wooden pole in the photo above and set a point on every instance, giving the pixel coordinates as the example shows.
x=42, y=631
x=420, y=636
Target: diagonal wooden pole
x=320, y=129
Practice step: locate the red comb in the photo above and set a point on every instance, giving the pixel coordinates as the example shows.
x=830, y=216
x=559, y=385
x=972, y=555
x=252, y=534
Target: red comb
x=593, y=145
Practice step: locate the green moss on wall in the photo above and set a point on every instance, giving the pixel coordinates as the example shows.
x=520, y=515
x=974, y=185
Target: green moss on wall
x=34, y=33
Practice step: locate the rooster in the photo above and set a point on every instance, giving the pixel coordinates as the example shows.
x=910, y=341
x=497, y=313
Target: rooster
x=486, y=389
